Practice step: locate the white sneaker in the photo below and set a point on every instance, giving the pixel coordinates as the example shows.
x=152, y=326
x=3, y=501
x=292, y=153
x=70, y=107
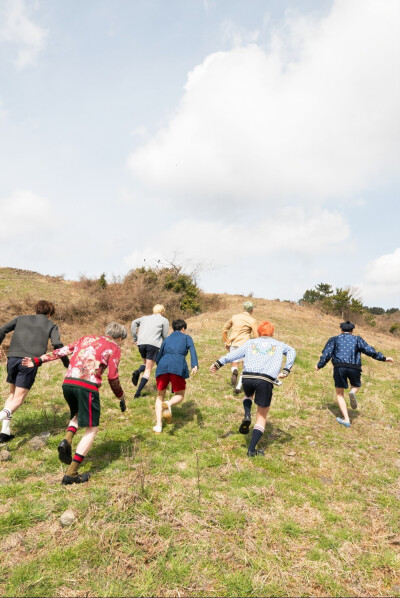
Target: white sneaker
x=157, y=429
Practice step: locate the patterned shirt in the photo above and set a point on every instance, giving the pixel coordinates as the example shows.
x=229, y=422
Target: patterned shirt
x=91, y=355
x=262, y=355
x=345, y=350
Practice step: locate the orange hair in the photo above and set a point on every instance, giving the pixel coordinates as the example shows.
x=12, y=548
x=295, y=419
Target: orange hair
x=265, y=329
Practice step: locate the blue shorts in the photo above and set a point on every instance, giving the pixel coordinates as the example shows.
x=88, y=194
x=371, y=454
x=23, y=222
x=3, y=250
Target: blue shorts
x=341, y=375
x=19, y=375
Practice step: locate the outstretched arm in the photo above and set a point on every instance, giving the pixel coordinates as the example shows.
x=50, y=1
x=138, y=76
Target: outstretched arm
x=238, y=353
x=7, y=328
x=194, y=363
x=30, y=362
x=290, y=357
x=369, y=350
x=326, y=354
x=135, y=325
x=227, y=326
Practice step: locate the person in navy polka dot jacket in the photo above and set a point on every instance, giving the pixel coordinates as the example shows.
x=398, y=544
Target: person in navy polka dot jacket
x=345, y=352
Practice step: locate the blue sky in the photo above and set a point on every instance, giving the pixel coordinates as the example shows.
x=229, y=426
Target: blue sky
x=259, y=139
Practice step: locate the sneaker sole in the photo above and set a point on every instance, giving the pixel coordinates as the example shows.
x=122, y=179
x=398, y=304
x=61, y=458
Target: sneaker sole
x=353, y=400
x=64, y=456
x=135, y=378
x=234, y=379
x=167, y=415
x=244, y=426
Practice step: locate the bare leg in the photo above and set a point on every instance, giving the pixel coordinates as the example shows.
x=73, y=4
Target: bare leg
x=87, y=440
x=342, y=404
x=149, y=364
x=262, y=413
x=177, y=398
x=16, y=397
x=158, y=407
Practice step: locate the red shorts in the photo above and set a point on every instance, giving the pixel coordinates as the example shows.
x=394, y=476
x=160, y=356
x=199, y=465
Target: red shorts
x=177, y=382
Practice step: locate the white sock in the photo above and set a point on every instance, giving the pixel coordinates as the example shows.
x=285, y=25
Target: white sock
x=4, y=413
x=234, y=369
x=5, y=428
x=239, y=384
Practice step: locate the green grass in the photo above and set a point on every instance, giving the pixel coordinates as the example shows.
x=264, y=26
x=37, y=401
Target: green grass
x=186, y=512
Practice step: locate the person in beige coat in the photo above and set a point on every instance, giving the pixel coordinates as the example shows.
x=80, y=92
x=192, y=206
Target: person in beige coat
x=237, y=331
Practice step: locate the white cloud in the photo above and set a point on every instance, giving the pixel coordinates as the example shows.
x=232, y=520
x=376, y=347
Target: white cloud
x=237, y=36
x=382, y=279
x=18, y=28
x=291, y=231
x=312, y=118
x=23, y=213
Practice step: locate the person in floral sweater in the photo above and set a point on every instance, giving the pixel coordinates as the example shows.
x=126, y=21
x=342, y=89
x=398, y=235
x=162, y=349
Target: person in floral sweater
x=91, y=356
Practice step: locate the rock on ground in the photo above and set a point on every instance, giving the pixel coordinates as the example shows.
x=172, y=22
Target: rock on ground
x=68, y=517
x=5, y=455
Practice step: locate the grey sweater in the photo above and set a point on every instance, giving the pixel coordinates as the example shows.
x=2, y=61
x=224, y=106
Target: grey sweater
x=31, y=334
x=152, y=330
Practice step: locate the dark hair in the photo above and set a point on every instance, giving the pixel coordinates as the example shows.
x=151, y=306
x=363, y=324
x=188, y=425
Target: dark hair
x=45, y=307
x=178, y=325
x=347, y=326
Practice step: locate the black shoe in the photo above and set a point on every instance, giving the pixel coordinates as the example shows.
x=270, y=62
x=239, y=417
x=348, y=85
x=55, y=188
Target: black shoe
x=64, y=452
x=238, y=391
x=234, y=378
x=136, y=395
x=135, y=377
x=75, y=479
x=245, y=425
x=6, y=437
x=255, y=453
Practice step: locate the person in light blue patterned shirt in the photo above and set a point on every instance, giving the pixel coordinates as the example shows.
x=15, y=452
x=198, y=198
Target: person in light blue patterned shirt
x=263, y=358
x=345, y=352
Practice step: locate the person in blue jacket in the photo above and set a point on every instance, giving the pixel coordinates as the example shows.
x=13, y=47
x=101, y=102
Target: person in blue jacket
x=345, y=352
x=172, y=368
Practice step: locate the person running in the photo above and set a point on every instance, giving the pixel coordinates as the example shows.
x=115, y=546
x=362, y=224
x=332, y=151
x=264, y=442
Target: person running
x=172, y=368
x=345, y=352
x=263, y=357
x=30, y=337
x=241, y=327
x=91, y=356
x=152, y=331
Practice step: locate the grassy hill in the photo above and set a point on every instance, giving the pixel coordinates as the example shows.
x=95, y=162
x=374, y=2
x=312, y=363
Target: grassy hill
x=186, y=513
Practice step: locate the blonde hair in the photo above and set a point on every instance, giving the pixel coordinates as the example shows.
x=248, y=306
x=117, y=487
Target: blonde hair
x=159, y=309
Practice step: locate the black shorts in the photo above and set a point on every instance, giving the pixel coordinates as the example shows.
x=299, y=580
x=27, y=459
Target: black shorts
x=260, y=388
x=19, y=375
x=85, y=401
x=148, y=351
x=341, y=375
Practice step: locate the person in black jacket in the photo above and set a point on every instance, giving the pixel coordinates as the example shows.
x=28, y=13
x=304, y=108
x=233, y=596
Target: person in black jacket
x=30, y=338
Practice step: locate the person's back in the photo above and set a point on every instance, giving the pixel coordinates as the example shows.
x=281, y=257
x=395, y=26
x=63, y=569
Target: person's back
x=241, y=327
x=264, y=355
x=345, y=350
x=91, y=355
x=31, y=335
x=152, y=330
x=171, y=358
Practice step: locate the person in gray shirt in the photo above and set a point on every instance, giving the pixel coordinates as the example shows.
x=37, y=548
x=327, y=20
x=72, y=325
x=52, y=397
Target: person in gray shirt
x=152, y=331
x=30, y=338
